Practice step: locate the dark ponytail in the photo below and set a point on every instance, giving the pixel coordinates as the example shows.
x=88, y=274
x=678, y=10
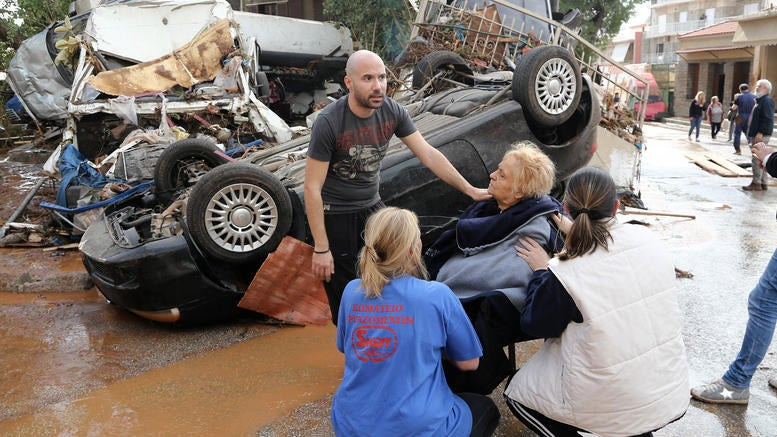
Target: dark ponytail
x=590, y=198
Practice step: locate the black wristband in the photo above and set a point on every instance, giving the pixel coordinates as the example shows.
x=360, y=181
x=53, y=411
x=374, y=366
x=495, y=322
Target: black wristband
x=320, y=251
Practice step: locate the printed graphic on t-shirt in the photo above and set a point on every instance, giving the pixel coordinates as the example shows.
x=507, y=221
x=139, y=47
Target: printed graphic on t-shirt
x=361, y=150
x=363, y=159
x=374, y=339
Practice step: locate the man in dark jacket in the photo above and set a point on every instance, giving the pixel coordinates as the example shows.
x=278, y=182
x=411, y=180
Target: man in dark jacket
x=744, y=105
x=760, y=130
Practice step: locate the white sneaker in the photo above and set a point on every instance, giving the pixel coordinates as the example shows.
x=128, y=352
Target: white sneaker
x=719, y=392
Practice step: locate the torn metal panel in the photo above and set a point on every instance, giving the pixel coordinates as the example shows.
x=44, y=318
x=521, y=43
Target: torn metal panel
x=145, y=30
x=36, y=80
x=262, y=116
x=197, y=61
x=293, y=42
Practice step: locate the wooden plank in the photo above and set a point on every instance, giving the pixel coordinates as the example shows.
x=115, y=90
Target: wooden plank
x=702, y=161
x=727, y=164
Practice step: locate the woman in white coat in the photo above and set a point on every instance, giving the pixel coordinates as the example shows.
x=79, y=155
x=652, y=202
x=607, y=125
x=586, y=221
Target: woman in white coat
x=613, y=362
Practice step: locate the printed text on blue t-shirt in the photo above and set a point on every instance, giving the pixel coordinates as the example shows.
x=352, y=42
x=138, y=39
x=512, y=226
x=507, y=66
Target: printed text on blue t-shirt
x=373, y=340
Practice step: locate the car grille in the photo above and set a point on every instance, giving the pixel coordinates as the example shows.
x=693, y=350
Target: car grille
x=109, y=274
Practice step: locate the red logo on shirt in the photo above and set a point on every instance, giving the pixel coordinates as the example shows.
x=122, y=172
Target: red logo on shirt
x=374, y=343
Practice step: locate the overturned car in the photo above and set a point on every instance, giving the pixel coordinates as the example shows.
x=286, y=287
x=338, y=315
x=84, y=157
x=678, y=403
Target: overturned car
x=192, y=263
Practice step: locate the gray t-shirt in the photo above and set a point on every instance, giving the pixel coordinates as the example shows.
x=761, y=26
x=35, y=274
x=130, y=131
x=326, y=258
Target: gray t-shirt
x=354, y=148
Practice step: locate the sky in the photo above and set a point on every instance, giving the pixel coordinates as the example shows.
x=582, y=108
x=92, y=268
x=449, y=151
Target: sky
x=641, y=15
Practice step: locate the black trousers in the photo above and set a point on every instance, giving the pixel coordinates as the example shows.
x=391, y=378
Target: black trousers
x=714, y=129
x=497, y=323
x=485, y=414
x=545, y=426
x=345, y=232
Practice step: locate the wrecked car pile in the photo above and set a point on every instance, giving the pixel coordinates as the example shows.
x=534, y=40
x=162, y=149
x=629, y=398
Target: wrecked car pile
x=132, y=77
x=186, y=250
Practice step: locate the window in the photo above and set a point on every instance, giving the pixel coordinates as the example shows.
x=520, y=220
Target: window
x=751, y=8
x=710, y=14
x=660, y=48
x=683, y=17
x=661, y=23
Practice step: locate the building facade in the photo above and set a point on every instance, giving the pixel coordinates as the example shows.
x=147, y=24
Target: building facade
x=669, y=20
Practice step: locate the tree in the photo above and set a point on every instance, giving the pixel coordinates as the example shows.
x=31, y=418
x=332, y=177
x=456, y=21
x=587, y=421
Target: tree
x=601, y=18
x=24, y=18
x=382, y=26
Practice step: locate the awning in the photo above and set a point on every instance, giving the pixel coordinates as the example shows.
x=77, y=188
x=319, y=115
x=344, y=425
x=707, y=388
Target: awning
x=715, y=53
x=620, y=50
x=758, y=31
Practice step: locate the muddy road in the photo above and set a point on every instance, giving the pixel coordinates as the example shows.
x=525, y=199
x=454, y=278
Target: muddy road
x=72, y=364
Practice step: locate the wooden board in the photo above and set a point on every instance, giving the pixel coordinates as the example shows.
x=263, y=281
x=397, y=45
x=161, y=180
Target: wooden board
x=717, y=164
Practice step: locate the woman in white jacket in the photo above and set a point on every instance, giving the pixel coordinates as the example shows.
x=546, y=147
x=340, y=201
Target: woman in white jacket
x=613, y=362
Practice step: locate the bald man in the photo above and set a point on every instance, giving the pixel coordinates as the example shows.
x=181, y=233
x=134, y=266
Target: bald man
x=348, y=141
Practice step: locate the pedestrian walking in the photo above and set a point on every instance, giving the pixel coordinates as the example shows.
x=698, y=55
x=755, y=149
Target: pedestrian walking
x=695, y=113
x=743, y=104
x=715, y=116
x=760, y=130
x=347, y=144
x=734, y=386
x=731, y=115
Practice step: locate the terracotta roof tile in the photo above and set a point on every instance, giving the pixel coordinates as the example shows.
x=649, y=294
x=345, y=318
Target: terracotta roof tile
x=716, y=29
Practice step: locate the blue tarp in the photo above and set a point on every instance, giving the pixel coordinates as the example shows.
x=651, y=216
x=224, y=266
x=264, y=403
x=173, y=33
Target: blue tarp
x=75, y=170
x=119, y=197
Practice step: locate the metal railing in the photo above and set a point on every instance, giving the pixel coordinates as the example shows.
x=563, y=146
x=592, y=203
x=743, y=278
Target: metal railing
x=662, y=58
x=493, y=38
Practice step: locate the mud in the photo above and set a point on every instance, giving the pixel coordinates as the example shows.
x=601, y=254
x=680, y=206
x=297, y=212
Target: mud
x=57, y=347
x=230, y=391
x=39, y=270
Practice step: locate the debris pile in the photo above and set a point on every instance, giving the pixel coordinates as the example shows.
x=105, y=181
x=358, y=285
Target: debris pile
x=117, y=94
x=621, y=121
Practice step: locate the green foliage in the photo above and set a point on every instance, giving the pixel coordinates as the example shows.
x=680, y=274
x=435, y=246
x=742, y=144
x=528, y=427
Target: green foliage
x=601, y=18
x=24, y=18
x=382, y=26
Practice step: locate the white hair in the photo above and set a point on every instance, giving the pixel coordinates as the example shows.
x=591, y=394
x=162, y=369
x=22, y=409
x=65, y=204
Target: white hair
x=765, y=83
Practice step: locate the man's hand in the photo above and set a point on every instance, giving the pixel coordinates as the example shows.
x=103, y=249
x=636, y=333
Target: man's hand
x=761, y=151
x=323, y=265
x=478, y=194
x=531, y=252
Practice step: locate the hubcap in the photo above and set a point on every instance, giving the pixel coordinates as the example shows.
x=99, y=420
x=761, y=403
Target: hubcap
x=241, y=217
x=555, y=86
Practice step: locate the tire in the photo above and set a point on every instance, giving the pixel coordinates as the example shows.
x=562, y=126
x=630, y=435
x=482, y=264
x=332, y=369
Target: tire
x=238, y=213
x=431, y=64
x=547, y=83
x=182, y=164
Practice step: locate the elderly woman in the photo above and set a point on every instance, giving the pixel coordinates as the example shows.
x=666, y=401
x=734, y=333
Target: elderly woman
x=477, y=259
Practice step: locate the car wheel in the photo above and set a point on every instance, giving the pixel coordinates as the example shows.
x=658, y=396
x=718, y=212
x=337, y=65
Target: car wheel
x=548, y=85
x=451, y=64
x=238, y=212
x=182, y=164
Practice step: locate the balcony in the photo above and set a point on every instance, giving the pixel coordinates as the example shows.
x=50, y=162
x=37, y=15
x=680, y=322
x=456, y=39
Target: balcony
x=671, y=29
x=660, y=3
x=661, y=58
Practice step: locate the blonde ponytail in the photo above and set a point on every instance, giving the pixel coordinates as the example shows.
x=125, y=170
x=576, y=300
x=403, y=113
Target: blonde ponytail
x=391, y=249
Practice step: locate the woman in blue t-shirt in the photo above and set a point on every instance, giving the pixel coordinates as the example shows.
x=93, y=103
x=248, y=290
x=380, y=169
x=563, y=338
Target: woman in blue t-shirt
x=395, y=328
